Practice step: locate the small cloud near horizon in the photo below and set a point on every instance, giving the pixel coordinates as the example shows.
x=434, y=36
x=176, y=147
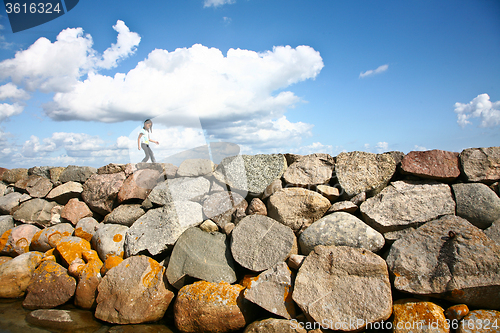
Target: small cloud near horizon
x=217, y=3
x=371, y=72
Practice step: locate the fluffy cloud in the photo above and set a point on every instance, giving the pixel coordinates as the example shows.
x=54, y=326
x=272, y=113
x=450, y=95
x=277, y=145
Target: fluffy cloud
x=371, y=72
x=217, y=3
x=125, y=46
x=480, y=107
x=9, y=110
x=380, y=147
x=10, y=91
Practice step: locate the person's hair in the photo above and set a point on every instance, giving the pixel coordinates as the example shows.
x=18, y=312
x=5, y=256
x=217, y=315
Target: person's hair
x=148, y=121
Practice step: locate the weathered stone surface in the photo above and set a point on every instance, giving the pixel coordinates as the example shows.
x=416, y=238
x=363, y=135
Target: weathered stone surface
x=50, y=286
x=35, y=186
x=480, y=321
x=201, y=255
x=75, y=210
x=35, y=211
x=6, y=223
x=211, y=307
x=433, y=164
x=364, y=172
x=329, y=192
x=111, y=261
x=195, y=168
x=42, y=171
x=111, y=168
x=209, y=226
x=138, y=185
x=297, y=208
x=86, y=228
x=15, y=274
x=481, y=164
x=3, y=188
x=477, y=203
x=159, y=228
x=418, y=316
x=64, y=320
x=100, y=191
x=256, y=206
x=292, y=158
x=272, y=325
x=493, y=232
x=358, y=199
x=343, y=206
x=340, y=229
x=125, y=214
x=138, y=278
x=78, y=174
x=250, y=173
x=275, y=186
x=310, y=170
x=405, y=204
x=448, y=258
x=179, y=189
x=63, y=193
x=47, y=238
x=9, y=201
x=259, y=242
x=338, y=283
x=55, y=173
x=109, y=240
x=17, y=240
x=220, y=207
x=456, y=312
x=272, y=290
x=88, y=281
x=14, y=175
x=71, y=248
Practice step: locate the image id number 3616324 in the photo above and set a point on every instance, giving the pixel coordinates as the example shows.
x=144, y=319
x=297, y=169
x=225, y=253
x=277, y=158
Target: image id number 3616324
x=32, y=8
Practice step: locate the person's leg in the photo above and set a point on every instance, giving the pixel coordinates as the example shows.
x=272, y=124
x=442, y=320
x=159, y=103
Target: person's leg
x=153, y=160
x=146, y=149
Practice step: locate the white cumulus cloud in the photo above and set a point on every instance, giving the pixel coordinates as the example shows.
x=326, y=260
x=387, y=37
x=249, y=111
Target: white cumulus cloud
x=8, y=110
x=126, y=44
x=217, y=3
x=11, y=91
x=480, y=107
x=371, y=72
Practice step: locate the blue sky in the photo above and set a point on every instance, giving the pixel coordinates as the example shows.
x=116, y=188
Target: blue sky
x=270, y=76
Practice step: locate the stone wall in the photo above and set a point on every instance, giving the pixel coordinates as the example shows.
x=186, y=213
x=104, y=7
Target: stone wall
x=277, y=243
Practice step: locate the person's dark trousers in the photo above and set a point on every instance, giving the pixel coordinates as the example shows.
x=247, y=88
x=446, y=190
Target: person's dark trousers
x=149, y=153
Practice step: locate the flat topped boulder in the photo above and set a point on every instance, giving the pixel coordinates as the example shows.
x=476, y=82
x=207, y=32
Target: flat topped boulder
x=314, y=169
x=78, y=174
x=250, y=173
x=65, y=192
x=201, y=255
x=481, y=164
x=179, y=189
x=434, y=164
x=448, y=258
x=195, y=167
x=364, y=172
x=35, y=211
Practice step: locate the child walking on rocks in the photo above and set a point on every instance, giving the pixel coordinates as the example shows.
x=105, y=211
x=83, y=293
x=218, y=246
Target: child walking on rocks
x=143, y=141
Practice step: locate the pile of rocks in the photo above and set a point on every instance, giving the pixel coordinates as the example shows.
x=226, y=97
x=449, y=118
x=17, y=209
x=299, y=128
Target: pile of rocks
x=275, y=243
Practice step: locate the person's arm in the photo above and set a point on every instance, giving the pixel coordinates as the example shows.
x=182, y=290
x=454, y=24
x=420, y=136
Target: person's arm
x=154, y=141
x=139, y=141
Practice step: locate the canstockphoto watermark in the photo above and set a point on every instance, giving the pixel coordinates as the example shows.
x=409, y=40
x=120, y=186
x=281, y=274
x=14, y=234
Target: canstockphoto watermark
x=353, y=324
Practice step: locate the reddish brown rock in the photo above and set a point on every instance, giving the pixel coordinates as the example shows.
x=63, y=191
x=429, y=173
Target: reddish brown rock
x=50, y=286
x=138, y=185
x=88, y=281
x=36, y=186
x=17, y=240
x=413, y=315
x=75, y=210
x=211, y=307
x=456, y=312
x=71, y=248
x=100, y=191
x=256, y=207
x=433, y=164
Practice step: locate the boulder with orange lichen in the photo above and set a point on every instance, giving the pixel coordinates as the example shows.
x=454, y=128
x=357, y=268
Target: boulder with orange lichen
x=50, y=286
x=108, y=240
x=211, y=307
x=86, y=228
x=75, y=210
x=133, y=292
x=47, y=238
x=110, y=262
x=6, y=223
x=413, y=315
x=88, y=281
x=15, y=274
x=480, y=321
x=71, y=248
x=17, y=240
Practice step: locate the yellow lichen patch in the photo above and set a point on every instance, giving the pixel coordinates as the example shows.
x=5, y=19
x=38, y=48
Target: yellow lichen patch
x=79, y=232
x=110, y=262
x=72, y=248
x=289, y=303
x=4, y=239
x=456, y=312
x=212, y=293
x=91, y=255
x=49, y=258
x=247, y=280
x=153, y=275
x=36, y=236
x=117, y=238
x=92, y=269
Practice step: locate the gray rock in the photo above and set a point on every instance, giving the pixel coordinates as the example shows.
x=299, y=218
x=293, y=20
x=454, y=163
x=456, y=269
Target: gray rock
x=481, y=164
x=220, y=207
x=340, y=229
x=35, y=186
x=9, y=201
x=259, y=242
x=159, y=228
x=195, y=168
x=180, y=189
x=273, y=325
x=125, y=214
x=63, y=193
x=250, y=173
x=493, y=232
x=86, y=228
x=35, y=211
x=6, y=223
x=343, y=206
x=406, y=203
x=78, y=174
x=42, y=171
x=109, y=239
x=100, y=191
x=364, y=172
x=359, y=199
x=448, y=258
x=201, y=255
x=47, y=238
x=477, y=203
x=296, y=207
x=338, y=283
x=314, y=169
x=272, y=291
x=64, y=320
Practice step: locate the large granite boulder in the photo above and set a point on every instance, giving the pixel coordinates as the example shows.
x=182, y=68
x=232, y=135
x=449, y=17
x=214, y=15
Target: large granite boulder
x=481, y=164
x=138, y=278
x=35, y=211
x=159, y=228
x=405, y=204
x=17, y=240
x=314, y=169
x=259, y=242
x=195, y=168
x=138, y=185
x=250, y=173
x=493, y=232
x=100, y=191
x=341, y=284
x=433, y=164
x=340, y=229
x=477, y=203
x=364, y=172
x=78, y=174
x=14, y=175
x=180, y=189
x=201, y=255
x=15, y=274
x=296, y=207
x=63, y=193
x=47, y=238
x=10, y=201
x=448, y=258
x=221, y=207
x=109, y=239
x=125, y=214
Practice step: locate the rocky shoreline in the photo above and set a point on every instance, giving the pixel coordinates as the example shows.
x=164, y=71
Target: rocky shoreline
x=259, y=243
